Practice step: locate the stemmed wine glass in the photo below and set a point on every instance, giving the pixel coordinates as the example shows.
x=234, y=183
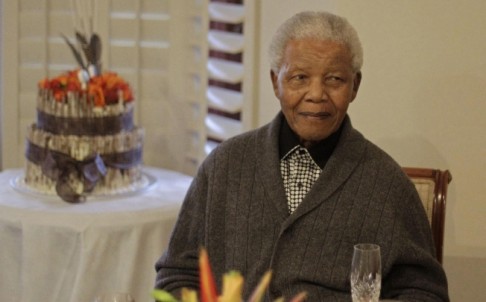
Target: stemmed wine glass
x=366, y=273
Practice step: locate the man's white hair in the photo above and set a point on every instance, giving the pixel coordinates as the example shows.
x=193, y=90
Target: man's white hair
x=321, y=26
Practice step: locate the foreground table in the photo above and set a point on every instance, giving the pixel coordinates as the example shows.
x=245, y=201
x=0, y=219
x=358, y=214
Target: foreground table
x=52, y=251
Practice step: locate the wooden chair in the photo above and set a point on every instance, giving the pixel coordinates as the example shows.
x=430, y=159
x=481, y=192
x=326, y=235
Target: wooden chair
x=432, y=186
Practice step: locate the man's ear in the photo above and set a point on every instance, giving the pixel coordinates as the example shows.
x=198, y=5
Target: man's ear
x=274, y=78
x=356, y=83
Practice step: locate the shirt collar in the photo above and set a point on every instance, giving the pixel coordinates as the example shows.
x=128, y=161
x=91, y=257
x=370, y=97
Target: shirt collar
x=319, y=152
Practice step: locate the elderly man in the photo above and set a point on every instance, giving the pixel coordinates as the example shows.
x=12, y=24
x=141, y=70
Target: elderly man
x=296, y=195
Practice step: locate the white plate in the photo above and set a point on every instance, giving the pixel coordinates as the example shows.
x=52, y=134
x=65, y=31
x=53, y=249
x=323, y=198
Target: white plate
x=145, y=183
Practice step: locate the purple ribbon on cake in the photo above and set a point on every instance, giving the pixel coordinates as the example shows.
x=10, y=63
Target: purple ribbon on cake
x=68, y=172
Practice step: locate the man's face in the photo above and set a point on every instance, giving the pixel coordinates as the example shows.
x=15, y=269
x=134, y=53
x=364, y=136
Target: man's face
x=315, y=85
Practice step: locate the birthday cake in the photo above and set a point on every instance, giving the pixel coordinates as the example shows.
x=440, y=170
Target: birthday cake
x=84, y=141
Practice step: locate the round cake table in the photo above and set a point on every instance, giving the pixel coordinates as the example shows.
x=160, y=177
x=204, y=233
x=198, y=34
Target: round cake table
x=55, y=251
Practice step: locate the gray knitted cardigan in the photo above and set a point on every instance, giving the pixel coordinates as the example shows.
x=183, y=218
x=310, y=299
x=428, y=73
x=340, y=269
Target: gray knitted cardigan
x=236, y=208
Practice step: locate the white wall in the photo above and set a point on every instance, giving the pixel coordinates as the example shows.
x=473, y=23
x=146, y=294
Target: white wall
x=422, y=100
x=1, y=80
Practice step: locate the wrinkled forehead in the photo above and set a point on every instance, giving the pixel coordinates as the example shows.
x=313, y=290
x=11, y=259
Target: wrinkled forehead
x=314, y=51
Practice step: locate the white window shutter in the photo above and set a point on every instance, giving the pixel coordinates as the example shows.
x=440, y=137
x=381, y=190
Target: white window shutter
x=225, y=71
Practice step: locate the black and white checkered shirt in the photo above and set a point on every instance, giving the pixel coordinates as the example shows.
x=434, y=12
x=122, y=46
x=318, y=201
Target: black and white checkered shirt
x=299, y=172
x=301, y=167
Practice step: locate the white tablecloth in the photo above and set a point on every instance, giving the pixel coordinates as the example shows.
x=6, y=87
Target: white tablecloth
x=53, y=251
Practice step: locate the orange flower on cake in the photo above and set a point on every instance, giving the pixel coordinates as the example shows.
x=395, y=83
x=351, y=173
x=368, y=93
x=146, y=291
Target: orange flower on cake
x=105, y=89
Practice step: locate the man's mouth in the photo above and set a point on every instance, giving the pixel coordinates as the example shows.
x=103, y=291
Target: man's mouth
x=316, y=114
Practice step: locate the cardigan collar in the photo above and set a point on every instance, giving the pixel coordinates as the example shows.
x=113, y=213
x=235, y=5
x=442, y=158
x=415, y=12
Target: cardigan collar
x=347, y=155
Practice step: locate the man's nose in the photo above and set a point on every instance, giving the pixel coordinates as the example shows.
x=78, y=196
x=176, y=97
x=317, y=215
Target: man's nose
x=317, y=91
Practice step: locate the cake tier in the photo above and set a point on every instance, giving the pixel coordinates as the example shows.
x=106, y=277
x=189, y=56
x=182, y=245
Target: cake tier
x=127, y=145
x=108, y=125
x=85, y=164
x=76, y=114
x=116, y=181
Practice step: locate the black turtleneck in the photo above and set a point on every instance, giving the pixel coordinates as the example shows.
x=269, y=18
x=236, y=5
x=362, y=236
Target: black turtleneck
x=319, y=152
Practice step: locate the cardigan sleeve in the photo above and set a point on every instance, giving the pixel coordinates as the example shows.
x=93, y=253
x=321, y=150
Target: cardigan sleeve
x=178, y=266
x=415, y=274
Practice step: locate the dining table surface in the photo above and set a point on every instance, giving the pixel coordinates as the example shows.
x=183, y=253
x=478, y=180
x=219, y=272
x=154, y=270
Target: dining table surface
x=55, y=251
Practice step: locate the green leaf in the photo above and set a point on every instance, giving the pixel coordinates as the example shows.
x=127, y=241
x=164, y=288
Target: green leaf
x=163, y=296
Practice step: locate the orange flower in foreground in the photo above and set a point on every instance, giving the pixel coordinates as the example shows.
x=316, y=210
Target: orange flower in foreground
x=258, y=292
x=232, y=287
x=207, y=285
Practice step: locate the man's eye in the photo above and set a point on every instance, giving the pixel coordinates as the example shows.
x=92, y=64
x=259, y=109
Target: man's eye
x=299, y=77
x=334, y=79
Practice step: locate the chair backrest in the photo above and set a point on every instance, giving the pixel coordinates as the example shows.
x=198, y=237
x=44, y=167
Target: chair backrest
x=432, y=186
